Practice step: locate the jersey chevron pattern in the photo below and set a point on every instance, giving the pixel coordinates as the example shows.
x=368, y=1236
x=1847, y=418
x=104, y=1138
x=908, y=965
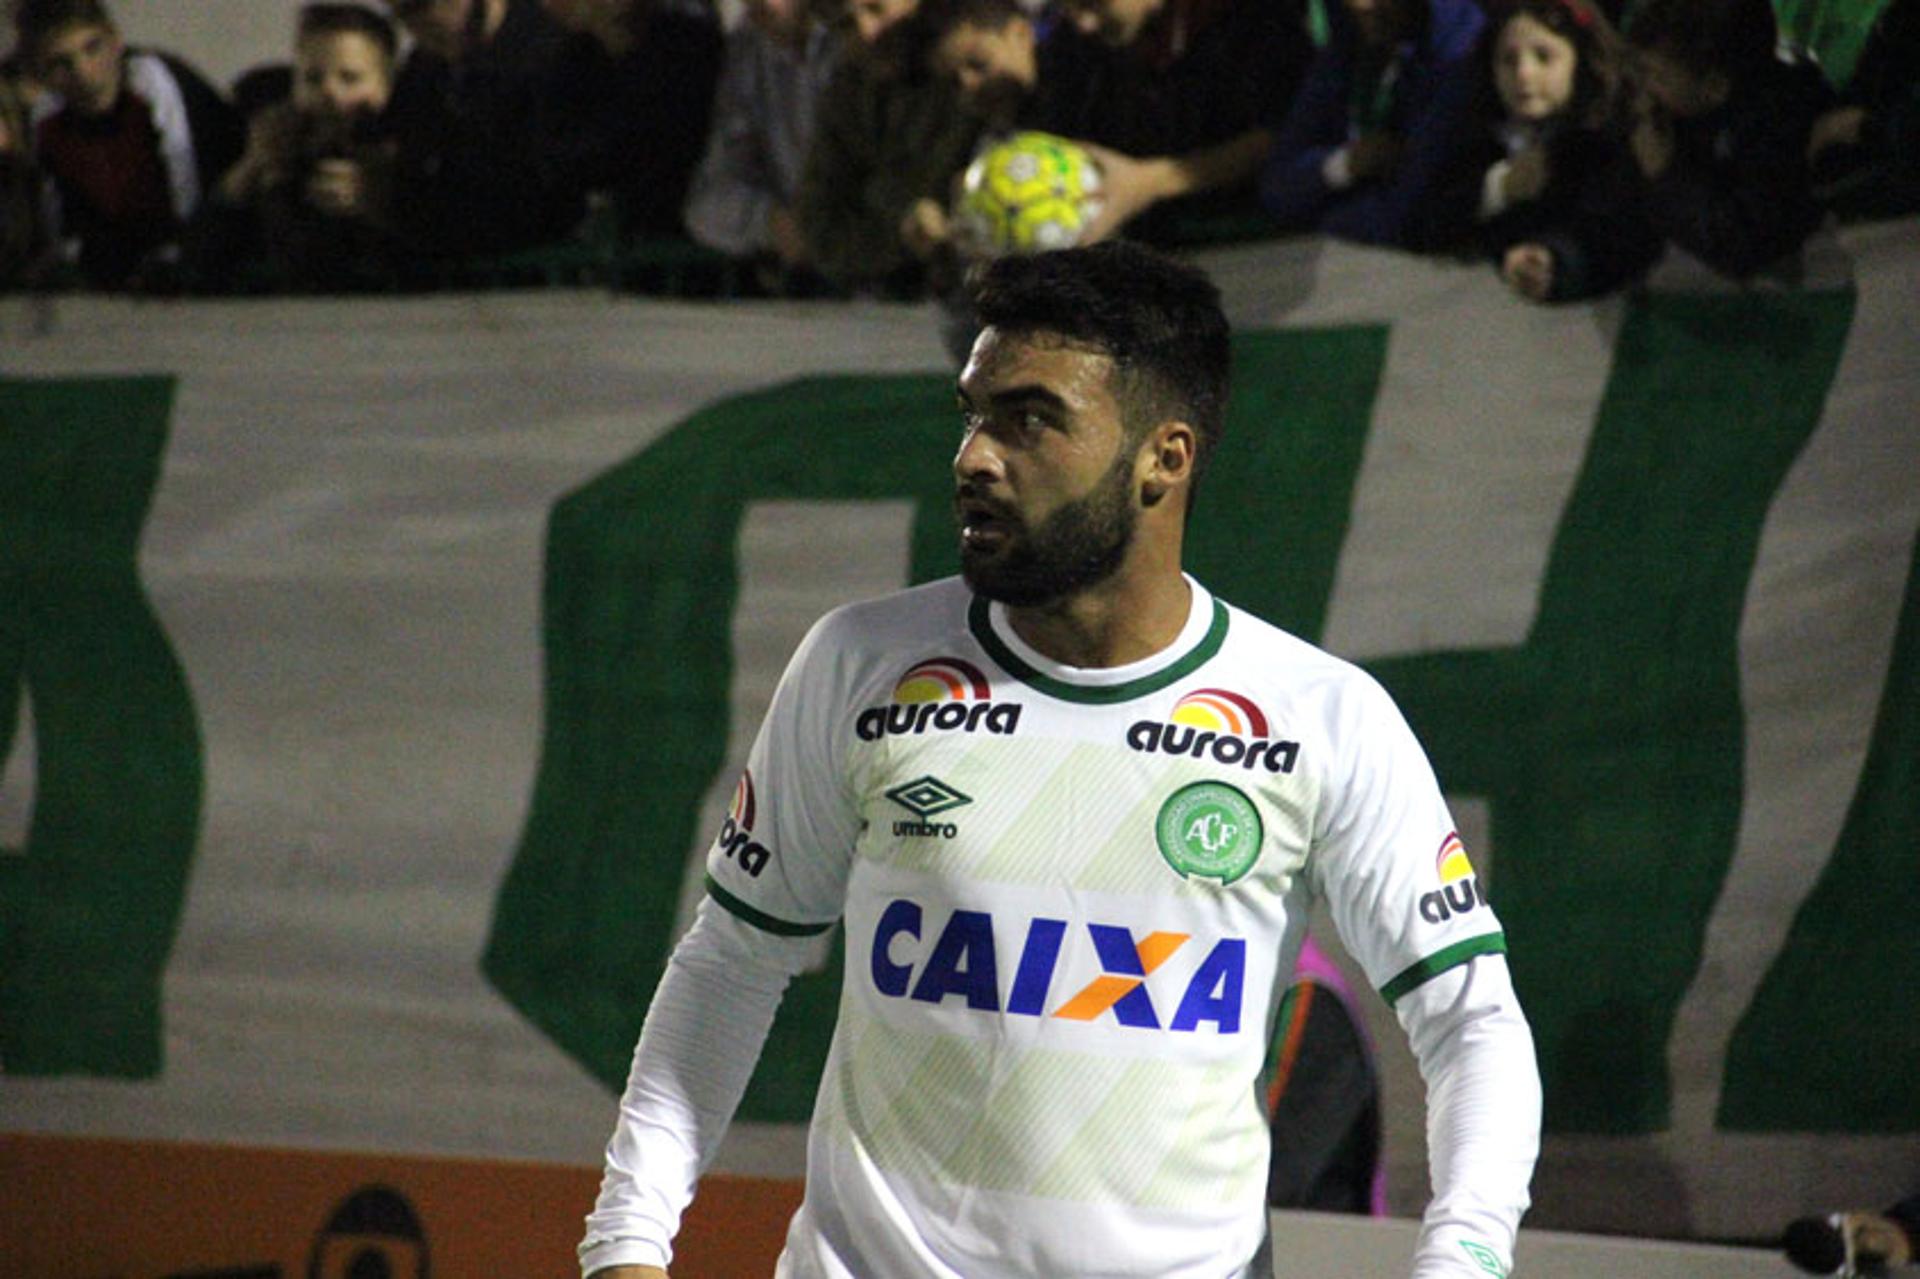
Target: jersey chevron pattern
x=1071, y=901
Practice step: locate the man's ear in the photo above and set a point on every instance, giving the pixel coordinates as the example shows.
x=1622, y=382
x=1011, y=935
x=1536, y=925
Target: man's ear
x=1166, y=460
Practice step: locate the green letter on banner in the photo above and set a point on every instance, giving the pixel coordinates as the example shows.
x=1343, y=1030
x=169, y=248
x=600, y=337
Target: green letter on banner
x=1832, y=1041
x=88, y=909
x=640, y=582
x=1610, y=744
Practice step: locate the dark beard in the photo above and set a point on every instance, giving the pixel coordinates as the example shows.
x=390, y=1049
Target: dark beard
x=1078, y=546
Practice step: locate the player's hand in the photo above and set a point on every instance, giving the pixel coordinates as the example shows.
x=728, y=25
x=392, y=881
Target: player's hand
x=1527, y=175
x=1373, y=155
x=338, y=188
x=1528, y=269
x=925, y=228
x=1128, y=188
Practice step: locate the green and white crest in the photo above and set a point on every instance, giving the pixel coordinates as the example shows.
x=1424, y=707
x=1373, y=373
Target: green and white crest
x=1209, y=830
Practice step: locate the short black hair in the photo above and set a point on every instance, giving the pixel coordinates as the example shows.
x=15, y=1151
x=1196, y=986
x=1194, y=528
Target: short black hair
x=1157, y=318
x=333, y=19
x=37, y=21
x=1733, y=37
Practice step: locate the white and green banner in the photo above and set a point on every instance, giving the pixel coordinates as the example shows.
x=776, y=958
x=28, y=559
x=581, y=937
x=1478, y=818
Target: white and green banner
x=374, y=673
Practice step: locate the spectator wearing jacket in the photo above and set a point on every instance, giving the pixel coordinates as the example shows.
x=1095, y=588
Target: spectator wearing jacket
x=310, y=204
x=888, y=133
x=742, y=201
x=132, y=140
x=1542, y=182
x=1722, y=129
x=494, y=130
x=644, y=104
x=1373, y=127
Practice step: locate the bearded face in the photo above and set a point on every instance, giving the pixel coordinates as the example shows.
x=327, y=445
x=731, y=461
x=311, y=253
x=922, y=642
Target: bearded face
x=1076, y=546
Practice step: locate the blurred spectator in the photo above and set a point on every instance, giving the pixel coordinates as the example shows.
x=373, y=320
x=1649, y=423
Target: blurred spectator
x=1722, y=130
x=1865, y=153
x=132, y=141
x=1373, y=127
x=1544, y=183
x=22, y=232
x=988, y=51
x=887, y=134
x=310, y=204
x=777, y=66
x=644, y=104
x=1180, y=97
x=495, y=136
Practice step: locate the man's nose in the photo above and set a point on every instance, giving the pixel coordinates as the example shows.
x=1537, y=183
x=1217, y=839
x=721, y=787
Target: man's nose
x=978, y=457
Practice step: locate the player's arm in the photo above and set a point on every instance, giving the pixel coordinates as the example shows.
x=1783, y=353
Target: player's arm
x=776, y=881
x=629, y=1272
x=1409, y=907
x=1475, y=1053
x=703, y=1035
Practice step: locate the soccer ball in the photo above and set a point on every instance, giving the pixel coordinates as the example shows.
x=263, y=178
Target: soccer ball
x=1026, y=194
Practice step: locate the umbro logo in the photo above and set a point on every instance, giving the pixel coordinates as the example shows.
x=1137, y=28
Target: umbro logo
x=927, y=798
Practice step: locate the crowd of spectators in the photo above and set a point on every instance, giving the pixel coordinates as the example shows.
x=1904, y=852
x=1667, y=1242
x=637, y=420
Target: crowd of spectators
x=819, y=143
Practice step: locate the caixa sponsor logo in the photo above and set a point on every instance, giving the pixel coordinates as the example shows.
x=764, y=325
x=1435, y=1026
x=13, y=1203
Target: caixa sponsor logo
x=1460, y=890
x=1212, y=723
x=971, y=951
x=736, y=830
x=941, y=695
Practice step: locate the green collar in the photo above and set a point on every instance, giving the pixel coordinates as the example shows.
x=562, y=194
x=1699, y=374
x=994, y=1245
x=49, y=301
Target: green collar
x=1095, y=694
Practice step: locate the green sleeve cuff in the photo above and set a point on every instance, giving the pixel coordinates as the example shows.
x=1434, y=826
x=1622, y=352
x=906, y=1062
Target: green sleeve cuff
x=760, y=919
x=1440, y=961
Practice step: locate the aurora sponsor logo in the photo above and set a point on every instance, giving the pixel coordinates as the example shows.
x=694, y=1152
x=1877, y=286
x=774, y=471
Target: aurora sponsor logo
x=973, y=948
x=927, y=798
x=1212, y=723
x=941, y=695
x=736, y=830
x=1460, y=890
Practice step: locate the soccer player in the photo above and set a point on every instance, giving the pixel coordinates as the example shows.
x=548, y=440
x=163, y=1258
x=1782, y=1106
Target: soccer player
x=1072, y=812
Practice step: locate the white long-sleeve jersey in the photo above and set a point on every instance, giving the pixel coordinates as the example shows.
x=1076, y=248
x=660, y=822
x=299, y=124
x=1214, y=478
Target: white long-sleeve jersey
x=1071, y=900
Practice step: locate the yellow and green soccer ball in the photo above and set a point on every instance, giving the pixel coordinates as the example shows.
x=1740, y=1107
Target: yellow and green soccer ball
x=1028, y=193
